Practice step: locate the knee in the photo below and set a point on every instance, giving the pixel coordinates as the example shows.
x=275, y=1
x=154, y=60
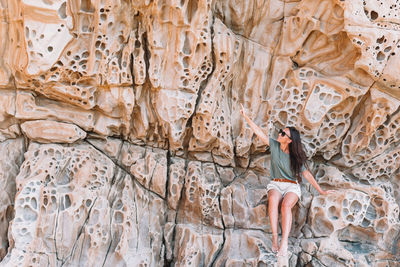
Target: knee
x=273, y=203
x=286, y=207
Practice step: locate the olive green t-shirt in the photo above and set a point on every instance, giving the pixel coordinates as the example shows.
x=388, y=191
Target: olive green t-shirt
x=280, y=162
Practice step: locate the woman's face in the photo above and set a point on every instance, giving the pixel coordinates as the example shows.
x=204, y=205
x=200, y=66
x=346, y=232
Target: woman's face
x=284, y=136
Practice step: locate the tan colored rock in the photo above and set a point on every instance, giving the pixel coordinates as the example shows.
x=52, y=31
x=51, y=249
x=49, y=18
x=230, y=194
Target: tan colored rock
x=309, y=247
x=147, y=165
x=91, y=61
x=375, y=129
x=175, y=77
x=373, y=28
x=12, y=132
x=329, y=251
x=52, y=132
x=30, y=107
x=9, y=167
x=241, y=207
x=138, y=231
x=200, y=200
x=177, y=173
x=356, y=208
x=169, y=172
x=117, y=103
x=362, y=214
x=396, y=186
x=379, y=169
x=47, y=198
x=227, y=174
x=308, y=18
x=110, y=146
x=246, y=248
x=7, y=98
x=5, y=71
x=9, y=127
x=257, y=21
x=211, y=126
x=190, y=244
x=107, y=207
x=213, y=129
x=169, y=235
x=320, y=106
x=389, y=80
x=117, y=121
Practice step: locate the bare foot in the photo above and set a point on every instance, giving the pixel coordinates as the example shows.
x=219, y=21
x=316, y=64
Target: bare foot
x=275, y=243
x=282, y=252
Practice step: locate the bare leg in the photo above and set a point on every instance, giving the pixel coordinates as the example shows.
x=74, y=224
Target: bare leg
x=274, y=198
x=288, y=202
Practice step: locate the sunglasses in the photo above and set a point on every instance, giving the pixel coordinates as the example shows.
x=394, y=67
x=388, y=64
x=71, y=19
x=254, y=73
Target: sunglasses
x=282, y=133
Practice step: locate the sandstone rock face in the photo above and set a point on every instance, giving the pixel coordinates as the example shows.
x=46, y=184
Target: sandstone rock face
x=123, y=144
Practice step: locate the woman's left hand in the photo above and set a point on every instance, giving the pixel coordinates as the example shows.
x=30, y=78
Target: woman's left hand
x=327, y=192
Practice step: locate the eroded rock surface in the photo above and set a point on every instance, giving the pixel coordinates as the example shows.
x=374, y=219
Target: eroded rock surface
x=123, y=144
x=14, y=149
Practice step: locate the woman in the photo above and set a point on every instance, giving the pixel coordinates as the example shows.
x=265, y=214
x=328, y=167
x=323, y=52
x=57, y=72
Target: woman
x=288, y=164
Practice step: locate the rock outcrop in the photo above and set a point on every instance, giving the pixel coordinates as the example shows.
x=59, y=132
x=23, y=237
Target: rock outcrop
x=123, y=144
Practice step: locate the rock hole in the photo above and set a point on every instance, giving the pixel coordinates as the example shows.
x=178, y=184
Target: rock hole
x=380, y=56
x=119, y=217
x=62, y=11
x=374, y=15
x=34, y=203
x=355, y=207
x=186, y=45
x=26, y=32
x=67, y=202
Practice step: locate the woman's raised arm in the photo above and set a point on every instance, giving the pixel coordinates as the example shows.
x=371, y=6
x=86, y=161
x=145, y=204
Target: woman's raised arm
x=257, y=130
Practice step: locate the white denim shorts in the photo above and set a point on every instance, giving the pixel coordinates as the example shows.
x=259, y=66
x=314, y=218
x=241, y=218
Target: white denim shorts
x=285, y=187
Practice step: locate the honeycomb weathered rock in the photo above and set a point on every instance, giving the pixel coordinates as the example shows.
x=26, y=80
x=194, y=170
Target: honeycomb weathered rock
x=154, y=165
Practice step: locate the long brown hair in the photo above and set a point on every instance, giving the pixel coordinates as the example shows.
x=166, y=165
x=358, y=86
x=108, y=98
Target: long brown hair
x=298, y=157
